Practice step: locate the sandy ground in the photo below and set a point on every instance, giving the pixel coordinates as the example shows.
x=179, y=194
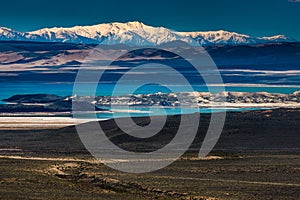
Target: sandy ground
x=34, y=123
x=29, y=121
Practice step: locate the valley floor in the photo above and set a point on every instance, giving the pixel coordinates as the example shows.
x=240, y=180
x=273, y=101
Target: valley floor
x=239, y=176
x=257, y=157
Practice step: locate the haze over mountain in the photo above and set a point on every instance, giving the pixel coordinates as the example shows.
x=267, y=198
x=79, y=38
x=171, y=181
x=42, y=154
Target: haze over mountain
x=134, y=34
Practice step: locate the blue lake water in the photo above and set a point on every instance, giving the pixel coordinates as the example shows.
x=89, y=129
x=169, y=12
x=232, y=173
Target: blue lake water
x=65, y=89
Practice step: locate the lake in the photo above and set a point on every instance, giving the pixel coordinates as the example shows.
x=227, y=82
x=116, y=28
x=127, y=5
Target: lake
x=65, y=89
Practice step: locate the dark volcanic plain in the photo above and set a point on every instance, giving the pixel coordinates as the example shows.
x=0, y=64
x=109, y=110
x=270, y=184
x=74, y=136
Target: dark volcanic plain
x=257, y=157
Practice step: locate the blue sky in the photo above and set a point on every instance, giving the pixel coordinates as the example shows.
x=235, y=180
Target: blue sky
x=254, y=17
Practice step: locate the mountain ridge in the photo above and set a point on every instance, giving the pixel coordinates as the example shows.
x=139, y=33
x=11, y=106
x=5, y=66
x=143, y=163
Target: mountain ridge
x=135, y=34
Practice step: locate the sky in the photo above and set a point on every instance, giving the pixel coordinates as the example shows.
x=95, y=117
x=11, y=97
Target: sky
x=253, y=17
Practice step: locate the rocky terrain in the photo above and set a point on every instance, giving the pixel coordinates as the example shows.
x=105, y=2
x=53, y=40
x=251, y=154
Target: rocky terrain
x=44, y=103
x=204, y=99
x=53, y=103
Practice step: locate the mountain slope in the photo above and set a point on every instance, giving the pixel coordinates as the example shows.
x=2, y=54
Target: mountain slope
x=135, y=34
x=9, y=34
x=131, y=33
x=231, y=38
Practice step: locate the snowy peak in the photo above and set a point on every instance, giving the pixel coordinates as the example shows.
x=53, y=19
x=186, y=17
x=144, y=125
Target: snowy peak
x=9, y=34
x=278, y=38
x=232, y=38
x=131, y=33
x=134, y=34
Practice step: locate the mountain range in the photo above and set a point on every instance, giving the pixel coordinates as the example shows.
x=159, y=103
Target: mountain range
x=134, y=34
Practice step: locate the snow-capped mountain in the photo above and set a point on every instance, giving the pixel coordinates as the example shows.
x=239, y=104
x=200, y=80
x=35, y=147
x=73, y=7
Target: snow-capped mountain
x=7, y=34
x=135, y=34
x=232, y=38
x=131, y=33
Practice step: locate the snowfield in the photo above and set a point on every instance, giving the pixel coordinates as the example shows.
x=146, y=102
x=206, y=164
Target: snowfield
x=134, y=34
